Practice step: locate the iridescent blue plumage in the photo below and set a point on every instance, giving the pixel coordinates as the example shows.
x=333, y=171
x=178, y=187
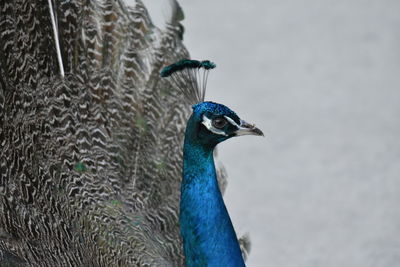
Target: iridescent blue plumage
x=215, y=109
x=209, y=238
x=207, y=231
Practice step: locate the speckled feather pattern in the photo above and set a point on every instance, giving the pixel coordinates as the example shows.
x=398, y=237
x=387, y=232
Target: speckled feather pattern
x=90, y=165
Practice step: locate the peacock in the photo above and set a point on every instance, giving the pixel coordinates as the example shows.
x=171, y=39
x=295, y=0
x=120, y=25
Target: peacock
x=91, y=136
x=208, y=235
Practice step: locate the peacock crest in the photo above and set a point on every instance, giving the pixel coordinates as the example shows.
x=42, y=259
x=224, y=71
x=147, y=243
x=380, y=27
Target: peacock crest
x=189, y=77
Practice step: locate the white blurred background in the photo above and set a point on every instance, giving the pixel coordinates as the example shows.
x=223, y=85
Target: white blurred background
x=322, y=80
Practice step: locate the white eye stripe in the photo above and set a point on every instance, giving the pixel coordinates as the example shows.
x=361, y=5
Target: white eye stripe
x=232, y=121
x=208, y=123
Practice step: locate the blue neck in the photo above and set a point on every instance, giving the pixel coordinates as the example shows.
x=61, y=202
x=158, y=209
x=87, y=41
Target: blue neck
x=208, y=235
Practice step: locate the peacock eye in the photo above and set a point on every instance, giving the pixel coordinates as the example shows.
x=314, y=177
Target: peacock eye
x=219, y=123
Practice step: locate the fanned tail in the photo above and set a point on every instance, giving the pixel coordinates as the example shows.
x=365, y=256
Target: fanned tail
x=90, y=165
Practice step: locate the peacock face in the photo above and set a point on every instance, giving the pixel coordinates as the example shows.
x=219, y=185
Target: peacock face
x=217, y=123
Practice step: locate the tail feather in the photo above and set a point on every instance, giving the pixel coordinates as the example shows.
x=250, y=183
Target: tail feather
x=245, y=246
x=54, y=25
x=90, y=165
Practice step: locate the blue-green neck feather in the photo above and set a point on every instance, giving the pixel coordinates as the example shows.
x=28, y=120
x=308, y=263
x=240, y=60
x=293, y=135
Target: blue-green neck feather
x=206, y=229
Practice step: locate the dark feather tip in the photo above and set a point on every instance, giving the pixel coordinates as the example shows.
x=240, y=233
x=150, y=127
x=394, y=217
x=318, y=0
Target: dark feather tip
x=186, y=64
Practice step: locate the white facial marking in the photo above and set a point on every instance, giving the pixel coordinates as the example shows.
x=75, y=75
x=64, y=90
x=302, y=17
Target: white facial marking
x=208, y=123
x=241, y=130
x=232, y=121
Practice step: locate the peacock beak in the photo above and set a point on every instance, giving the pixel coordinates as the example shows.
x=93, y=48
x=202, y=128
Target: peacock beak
x=246, y=128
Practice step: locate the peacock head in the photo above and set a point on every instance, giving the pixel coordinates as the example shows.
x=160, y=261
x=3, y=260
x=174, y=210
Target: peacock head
x=210, y=123
x=213, y=123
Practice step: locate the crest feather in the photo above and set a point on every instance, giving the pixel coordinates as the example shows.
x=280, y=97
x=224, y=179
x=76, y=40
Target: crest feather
x=190, y=77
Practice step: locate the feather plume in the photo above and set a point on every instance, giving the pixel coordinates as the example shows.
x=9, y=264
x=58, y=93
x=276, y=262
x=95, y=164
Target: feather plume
x=190, y=77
